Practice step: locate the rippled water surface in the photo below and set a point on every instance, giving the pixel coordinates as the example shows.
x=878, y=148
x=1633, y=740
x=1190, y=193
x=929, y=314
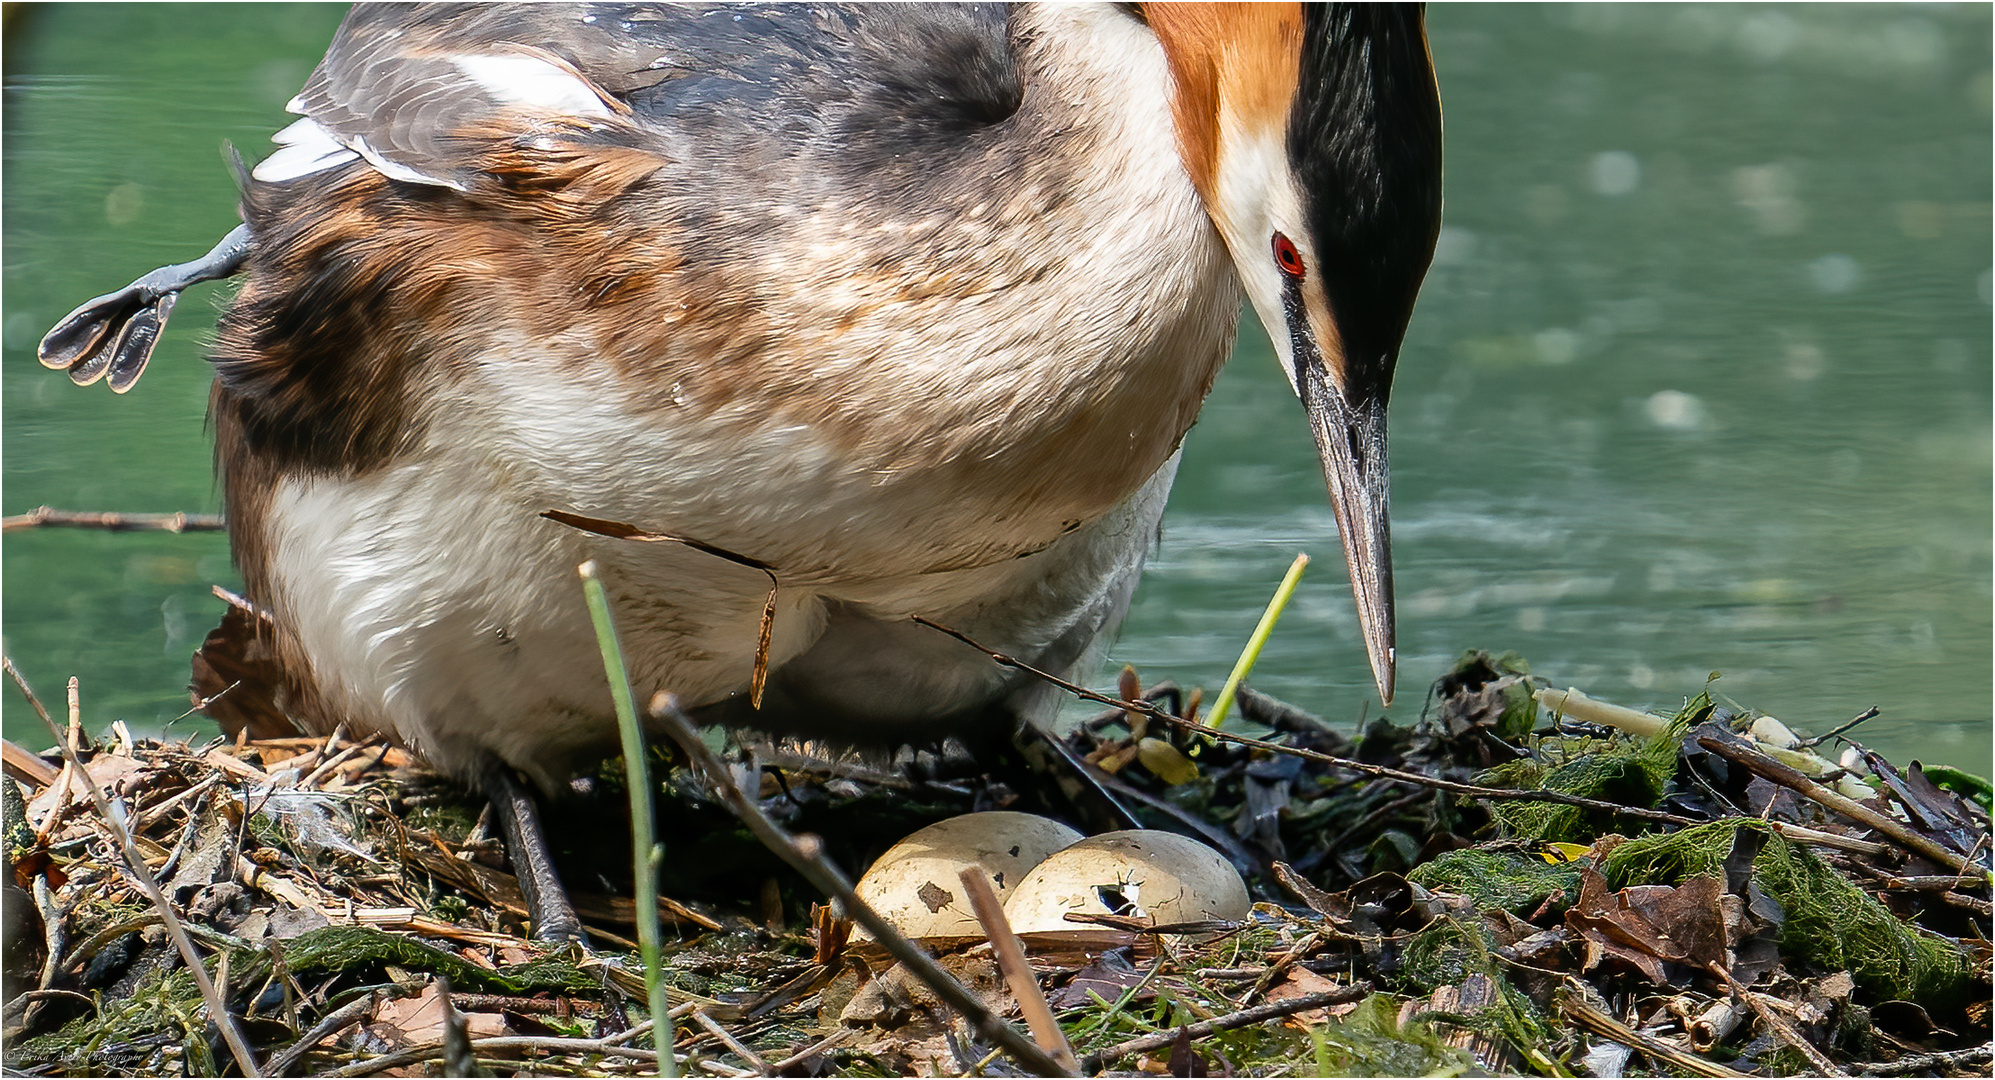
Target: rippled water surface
x=1700, y=379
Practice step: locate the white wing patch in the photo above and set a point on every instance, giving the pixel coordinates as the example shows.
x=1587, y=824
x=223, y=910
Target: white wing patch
x=519, y=79
x=302, y=149
x=526, y=79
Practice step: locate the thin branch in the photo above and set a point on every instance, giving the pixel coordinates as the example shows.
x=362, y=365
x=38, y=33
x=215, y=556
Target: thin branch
x=1932, y=1064
x=546, y=1044
x=331, y=1024
x=1779, y=1025
x=217, y=1009
x=1158, y=714
x=829, y=1042
x=727, y=1039
x=1810, y=744
x=1793, y=780
x=44, y=517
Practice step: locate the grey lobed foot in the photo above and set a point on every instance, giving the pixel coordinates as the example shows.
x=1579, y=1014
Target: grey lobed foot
x=115, y=334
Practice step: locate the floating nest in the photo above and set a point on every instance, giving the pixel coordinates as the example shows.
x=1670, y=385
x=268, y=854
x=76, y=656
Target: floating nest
x=1503, y=886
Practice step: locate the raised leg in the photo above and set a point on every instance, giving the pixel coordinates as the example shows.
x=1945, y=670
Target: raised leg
x=519, y=819
x=115, y=333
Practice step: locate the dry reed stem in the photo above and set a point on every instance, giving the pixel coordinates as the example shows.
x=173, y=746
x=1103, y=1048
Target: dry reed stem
x=1010, y=953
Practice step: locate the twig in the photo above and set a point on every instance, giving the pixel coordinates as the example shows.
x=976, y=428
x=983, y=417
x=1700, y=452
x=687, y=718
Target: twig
x=1010, y=953
x=1095, y=1062
x=1288, y=959
x=25, y=765
x=42, y=517
x=1801, y=834
x=1945, y=885
x=1823, y=1066
x=328, y=1025
x=53, y=937
x=1155, y=713
x=643, y=1027
x=754, y=1060
x=1256, y=641
x=458, y=1059
x=218, y=1011
x=645, y=853
x=1601, y=1024
x=829, y=1042
x=547, y=1044
x=1929, y=1064
x=1810, y=744
x=805, y=854
x=1792, y=779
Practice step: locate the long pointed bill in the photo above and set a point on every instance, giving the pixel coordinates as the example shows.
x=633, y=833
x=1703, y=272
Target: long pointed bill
x=1351, y=442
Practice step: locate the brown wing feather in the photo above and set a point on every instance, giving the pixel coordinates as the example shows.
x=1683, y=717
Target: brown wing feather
x=394, y=84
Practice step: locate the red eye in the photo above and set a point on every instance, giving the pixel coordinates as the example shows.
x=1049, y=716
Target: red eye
x=1288, y=258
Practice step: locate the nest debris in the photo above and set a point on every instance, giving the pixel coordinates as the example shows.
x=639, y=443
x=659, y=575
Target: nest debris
x=1677, y=910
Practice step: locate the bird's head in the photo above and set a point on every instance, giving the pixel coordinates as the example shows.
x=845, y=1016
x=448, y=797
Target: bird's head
x=1313, y=132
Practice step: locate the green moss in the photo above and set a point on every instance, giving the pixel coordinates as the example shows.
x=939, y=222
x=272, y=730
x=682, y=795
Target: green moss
x=1623, y=769
x=1447, y=952
x=1516, y=881
x=1370, y=1041
x=138, y=1034
x=1829, y=922
x=353, y=948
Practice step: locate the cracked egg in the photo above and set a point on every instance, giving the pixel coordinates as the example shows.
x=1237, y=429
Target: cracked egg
x=915, y=886
x=1141, y=873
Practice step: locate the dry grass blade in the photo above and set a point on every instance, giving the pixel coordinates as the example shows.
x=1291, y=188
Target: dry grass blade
x=759, y=680
x=618, y=530
x=218, y=1011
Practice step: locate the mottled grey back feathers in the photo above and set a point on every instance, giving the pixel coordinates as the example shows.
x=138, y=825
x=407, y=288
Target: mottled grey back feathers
x=854, y=88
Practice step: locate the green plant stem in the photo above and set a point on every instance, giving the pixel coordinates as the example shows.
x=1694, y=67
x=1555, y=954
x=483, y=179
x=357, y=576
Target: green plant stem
x=1260, y=637
x=646, y=854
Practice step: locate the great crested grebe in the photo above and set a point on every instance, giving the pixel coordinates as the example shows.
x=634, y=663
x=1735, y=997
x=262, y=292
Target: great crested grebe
x=911, y=304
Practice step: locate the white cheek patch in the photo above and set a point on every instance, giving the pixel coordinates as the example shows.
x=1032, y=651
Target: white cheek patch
x=518, y=79
x=1257, y=197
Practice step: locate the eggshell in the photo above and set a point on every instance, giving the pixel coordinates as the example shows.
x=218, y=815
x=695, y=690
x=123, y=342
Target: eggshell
x=915, y=884
x=1153, y=875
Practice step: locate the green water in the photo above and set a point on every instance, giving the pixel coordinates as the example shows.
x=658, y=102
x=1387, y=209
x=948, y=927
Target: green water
x=1700, y=380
